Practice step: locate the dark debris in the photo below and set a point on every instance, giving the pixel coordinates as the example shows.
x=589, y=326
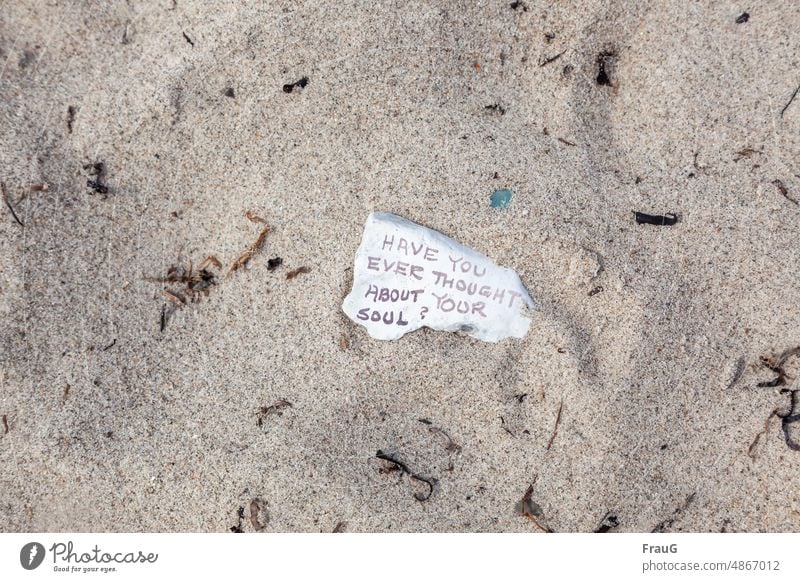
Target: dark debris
x=790, y=417
x=301, y=83
x=605, y=60
x=776, y=365
x=394, y=464
x=97, y=176
x=668, y=219
x=276, y=408
x=665, y=525
x=785, y=191
x=596, y=290
x=238, y=528
x=191, y=284
x=496, y=108
x=609, y=522
x=71, y=113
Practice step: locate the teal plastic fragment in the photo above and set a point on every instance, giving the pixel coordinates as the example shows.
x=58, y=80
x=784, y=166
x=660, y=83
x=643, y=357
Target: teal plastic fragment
x=501, y=198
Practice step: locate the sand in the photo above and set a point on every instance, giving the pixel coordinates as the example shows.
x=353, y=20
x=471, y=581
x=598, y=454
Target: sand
x=651, y=341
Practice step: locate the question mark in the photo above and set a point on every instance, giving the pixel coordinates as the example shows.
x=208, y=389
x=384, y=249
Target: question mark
x=424, y=311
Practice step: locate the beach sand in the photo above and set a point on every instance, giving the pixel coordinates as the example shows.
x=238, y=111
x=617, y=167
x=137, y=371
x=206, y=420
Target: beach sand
x=635, y=396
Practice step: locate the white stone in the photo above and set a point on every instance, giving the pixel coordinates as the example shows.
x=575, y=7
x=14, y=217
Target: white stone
x=407, y=276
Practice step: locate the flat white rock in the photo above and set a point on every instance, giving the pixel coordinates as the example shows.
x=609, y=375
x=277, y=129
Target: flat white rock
x=407, y=276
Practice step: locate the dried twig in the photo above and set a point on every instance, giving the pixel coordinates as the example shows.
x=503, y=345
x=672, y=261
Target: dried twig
x=751, y=450
x=251, y=251
x=397, y=465
x=549, y=60
x=209, y=261
x=777, y=367
x=8, y=203
x=174, y=297
x=785, y=107
x=555, y=428
x=785, y=192
x=790, y=417
x=505, y=428
x=194, y=282
x=299, y=271
x=253, y=217
x=530, y=509
x=194, y=285
x=451, y=446
x=745, y=153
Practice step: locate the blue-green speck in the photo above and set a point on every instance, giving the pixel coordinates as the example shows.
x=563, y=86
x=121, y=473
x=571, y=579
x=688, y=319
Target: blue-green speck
x=501, y=198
